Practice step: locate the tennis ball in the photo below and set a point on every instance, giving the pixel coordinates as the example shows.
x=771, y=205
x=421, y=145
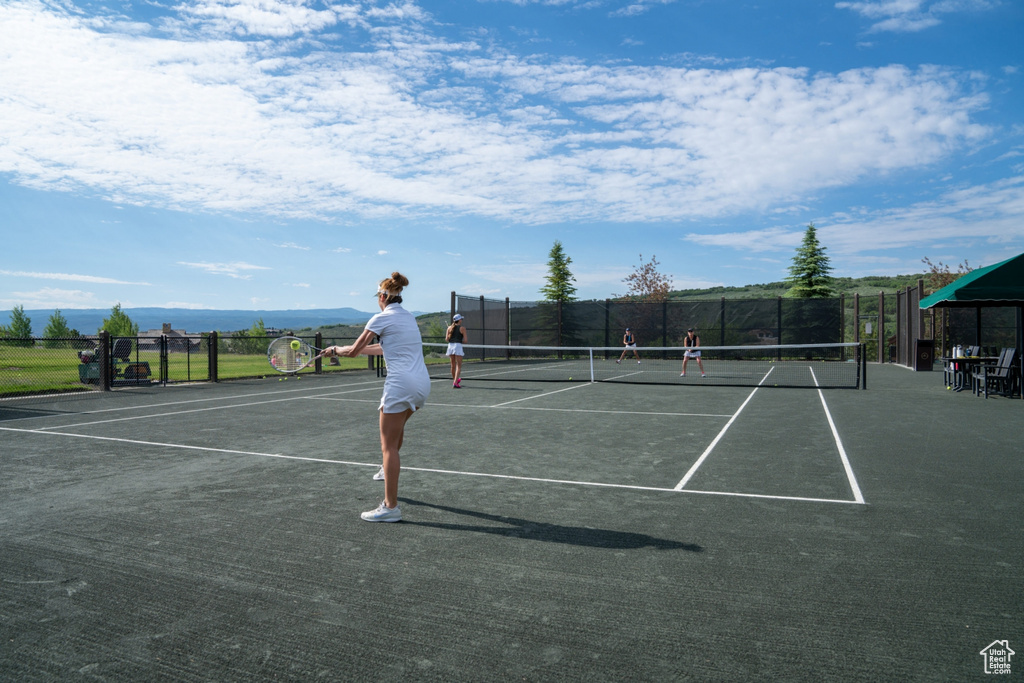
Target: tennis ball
x=296, y=345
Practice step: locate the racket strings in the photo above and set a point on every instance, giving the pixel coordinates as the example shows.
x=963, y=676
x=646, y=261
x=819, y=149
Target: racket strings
x=286, y=359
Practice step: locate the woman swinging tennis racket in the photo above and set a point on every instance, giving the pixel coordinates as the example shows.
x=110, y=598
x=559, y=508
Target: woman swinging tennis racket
x=405, y=389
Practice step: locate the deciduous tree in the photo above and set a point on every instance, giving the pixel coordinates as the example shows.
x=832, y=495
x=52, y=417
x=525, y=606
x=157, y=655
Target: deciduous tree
x=939, y=274
x=119, y=324
x=646, y=283
x=20, y=328
x=57, y=331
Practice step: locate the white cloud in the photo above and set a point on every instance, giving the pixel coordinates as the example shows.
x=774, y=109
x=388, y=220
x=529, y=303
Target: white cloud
x=71, y=277
x=49, y=297
x=768, y=239
x=185, y=304
x=988, y=215
x=235, y=270
x=277, y=18
x=424, y=126
x=911, y=16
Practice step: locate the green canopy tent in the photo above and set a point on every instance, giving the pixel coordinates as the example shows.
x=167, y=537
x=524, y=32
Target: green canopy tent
x=1001, y=284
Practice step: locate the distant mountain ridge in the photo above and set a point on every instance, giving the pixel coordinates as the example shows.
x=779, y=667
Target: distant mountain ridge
x=89, y=320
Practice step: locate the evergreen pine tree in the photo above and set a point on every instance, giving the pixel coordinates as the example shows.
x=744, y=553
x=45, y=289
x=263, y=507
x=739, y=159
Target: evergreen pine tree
x=559, y=285
x=809, y=275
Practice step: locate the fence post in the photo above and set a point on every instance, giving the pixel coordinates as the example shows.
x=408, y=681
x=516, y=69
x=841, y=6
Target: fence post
x=920, y=311
x=559, y=313
x=318, y=341
x=856, y=316
x=104, y=349
x=722, y=316
x=856, y=326
x=778, y=322
x=664, y=323
x=607, y=325
x=165, y=360
x=882, y=339
x=508, y=322
x=842, y=318
x=212, y=356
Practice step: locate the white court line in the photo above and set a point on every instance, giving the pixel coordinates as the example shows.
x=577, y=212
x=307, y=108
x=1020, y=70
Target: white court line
x=190, y=401
x=858, y=497
x=552, y=410
x=839, y=444
x=530, y=398
x=201, y=410
x=711, y=446
x=207, y=449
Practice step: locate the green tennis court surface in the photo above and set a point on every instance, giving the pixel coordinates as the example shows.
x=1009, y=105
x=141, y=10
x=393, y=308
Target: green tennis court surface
x=551, y=532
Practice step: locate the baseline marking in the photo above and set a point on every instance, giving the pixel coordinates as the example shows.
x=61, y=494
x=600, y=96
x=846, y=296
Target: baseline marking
x=176, y=403
x=202, y=410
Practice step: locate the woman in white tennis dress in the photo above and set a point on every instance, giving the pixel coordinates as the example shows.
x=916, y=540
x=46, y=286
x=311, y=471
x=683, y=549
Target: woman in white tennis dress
x=405, y=389
x=455, y=335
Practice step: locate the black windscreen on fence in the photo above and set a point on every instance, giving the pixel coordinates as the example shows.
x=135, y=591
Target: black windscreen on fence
x=726, y=322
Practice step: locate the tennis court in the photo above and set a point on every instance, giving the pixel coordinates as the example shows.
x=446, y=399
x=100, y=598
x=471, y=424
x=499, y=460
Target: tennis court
x=552, y=531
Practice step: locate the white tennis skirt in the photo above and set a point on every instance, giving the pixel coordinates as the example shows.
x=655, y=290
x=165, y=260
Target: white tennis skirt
x=454, y=349
x=692, y=354
x=404, y=393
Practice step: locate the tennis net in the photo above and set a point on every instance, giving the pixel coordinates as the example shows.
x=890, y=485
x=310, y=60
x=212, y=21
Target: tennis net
x=838, y=365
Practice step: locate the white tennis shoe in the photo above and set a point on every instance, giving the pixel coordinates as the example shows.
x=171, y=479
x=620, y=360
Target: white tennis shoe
x=380, y=475
x=383, y=514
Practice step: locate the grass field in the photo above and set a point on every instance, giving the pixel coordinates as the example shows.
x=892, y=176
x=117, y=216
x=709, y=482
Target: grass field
x=36, y=369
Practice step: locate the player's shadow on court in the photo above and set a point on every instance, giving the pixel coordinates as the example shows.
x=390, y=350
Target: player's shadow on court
x=515, y=527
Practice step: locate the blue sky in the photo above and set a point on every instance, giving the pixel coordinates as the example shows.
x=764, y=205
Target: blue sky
x=286, y=154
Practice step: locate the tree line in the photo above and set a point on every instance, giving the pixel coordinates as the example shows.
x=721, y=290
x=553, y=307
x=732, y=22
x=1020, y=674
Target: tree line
x=810, y=275
x=57, y=332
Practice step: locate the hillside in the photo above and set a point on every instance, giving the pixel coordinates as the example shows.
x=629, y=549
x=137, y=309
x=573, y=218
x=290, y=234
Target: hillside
x=848, y=286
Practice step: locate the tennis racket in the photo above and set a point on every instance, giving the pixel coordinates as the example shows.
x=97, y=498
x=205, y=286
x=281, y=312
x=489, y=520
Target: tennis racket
x=291, y=354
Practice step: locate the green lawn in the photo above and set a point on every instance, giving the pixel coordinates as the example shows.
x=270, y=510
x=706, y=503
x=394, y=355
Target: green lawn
x=30, y=370
x=36, y=369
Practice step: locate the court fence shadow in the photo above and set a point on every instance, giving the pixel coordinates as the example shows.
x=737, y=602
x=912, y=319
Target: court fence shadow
x=515, y=527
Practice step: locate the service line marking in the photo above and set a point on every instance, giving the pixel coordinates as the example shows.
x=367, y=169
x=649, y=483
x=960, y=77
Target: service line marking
x=209, y=449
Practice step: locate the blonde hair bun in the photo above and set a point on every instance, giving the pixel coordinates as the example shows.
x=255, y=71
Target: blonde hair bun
x=393, y=286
